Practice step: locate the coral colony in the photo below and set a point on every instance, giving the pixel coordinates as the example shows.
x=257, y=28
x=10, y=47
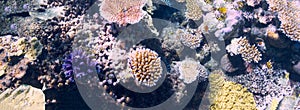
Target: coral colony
x=190, y=54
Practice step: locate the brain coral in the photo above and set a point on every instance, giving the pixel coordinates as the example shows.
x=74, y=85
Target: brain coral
x=145, y=65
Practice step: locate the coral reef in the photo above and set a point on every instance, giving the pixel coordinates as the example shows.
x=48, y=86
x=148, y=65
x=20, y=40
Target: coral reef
x=101, y=48
x=189, y=70
x=123, y=12
x=267, y=86
x=241, y=46
x=193, y=10
x=288, y=14
x=228, y=95
x=190, y=37
x=145, y=66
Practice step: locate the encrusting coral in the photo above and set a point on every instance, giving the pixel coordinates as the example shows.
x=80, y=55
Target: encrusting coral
x=229, y=95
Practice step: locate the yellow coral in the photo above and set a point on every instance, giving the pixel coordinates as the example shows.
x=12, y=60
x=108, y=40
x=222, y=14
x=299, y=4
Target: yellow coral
x=227, y=95
x=274, y=104
x=145, y=65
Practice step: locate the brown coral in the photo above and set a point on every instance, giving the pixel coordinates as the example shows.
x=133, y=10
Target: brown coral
x=145, y=65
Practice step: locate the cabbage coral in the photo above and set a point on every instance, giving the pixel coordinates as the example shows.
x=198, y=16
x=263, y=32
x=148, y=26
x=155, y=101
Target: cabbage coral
x=190, y=70
x=145, y=65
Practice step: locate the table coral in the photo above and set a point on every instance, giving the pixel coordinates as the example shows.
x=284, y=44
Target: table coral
x=123, y=12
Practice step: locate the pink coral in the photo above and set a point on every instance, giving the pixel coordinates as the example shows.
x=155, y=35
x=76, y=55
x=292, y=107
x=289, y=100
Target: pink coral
x=123, y=12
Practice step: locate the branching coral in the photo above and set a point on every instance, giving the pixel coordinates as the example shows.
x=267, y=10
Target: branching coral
x=193, y=11
x=78, y=64
x=123, y=12
x=145, y=66
x=190, y=37
x=241, y=46
x=289, y=16
x=267, y=86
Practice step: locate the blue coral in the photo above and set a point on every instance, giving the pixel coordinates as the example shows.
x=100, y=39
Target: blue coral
x=78, y=64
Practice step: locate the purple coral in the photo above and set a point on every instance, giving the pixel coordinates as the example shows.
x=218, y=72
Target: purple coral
x=78, y=64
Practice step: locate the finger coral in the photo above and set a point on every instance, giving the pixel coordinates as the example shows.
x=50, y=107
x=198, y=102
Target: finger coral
x=123, y=12
x=241, y=46
x=145, y=65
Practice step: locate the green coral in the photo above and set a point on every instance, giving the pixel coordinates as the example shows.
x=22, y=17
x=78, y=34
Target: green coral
x=229, y=95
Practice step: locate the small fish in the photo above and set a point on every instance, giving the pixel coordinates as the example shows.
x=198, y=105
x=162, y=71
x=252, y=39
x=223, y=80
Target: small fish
x=167, y=2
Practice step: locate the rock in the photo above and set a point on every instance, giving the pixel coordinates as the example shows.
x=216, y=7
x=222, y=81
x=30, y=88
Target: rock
x=24, y=97
x=296, y=67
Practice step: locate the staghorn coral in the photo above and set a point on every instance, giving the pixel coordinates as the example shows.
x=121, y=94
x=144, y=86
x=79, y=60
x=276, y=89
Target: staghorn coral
x=241, y=46
x=228, y=95
x=123, y=12
x=190, y=37
x=145, y=65
x=193, y=11
x=289, y=16
x=189, y=70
